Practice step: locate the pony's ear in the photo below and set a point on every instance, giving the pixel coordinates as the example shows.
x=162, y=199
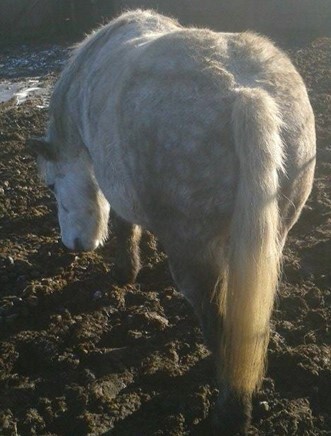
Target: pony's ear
x=40, y=147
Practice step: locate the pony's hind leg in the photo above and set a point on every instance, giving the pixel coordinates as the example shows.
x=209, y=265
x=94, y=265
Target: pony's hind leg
x=127, y=257
x=197, y=277
x=232, y=413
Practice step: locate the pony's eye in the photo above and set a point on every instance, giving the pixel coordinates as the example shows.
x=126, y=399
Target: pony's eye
x=51, y=187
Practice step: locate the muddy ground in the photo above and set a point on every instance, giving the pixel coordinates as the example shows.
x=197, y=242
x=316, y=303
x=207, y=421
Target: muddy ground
x=80, y=354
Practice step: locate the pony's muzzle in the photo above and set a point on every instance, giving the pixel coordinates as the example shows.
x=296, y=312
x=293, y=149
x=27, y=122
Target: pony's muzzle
x=78, y=246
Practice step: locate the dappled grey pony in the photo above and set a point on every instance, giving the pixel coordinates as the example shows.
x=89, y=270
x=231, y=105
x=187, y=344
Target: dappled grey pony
x=205, y=139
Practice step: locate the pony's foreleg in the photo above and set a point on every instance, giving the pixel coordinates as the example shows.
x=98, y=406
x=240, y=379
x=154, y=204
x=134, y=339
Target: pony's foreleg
x=127, y=258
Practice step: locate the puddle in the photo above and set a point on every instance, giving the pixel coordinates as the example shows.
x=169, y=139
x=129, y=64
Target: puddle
x=7, y=91
x=19, y=92
x=27, y=72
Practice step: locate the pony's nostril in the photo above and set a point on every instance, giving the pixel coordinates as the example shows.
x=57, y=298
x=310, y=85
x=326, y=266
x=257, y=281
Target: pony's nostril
x=78, y=246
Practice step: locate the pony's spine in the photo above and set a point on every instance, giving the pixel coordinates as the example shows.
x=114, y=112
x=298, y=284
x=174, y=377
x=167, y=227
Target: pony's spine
x=248, y=284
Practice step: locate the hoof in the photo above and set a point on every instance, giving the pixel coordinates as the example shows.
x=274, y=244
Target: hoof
x=232, y=415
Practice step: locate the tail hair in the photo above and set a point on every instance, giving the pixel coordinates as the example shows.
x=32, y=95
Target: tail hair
x=249, y=282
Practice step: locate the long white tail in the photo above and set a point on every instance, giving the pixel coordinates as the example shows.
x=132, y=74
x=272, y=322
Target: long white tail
x=249, y=282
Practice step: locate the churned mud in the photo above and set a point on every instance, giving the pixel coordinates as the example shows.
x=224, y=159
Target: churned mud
x=80, y=354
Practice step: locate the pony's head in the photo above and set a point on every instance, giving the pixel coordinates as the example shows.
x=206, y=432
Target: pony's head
x=83, y=210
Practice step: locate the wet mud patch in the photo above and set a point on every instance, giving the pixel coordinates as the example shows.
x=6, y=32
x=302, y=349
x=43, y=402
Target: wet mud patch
x=80, y=354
